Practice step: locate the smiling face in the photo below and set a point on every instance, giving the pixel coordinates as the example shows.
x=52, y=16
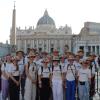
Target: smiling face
x=71, y=59
x=81, y=54
x=8, y=58
x=85, y=64
x=20, y=54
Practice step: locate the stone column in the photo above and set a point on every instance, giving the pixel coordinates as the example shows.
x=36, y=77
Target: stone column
x=31, y=44
x=91, y=49
x=37, y=44
x=18, y=44
x=55, y=44
x=47, y=45
x=96, y=50
x=43, y=45
x=25, y=46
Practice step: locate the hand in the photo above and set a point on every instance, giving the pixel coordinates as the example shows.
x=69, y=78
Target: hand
x=34, y=81
x=50, y=84
x=40, y=85
x=17, y=83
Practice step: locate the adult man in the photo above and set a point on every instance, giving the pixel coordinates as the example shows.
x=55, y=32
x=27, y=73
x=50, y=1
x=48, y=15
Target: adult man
x=21, y=64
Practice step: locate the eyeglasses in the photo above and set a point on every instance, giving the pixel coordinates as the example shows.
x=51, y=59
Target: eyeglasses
x=32, y=57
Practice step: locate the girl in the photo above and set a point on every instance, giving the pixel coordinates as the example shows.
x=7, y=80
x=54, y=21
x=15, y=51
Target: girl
x=5, y=84
x=30, y=86
x=14, y=80
x=57, y=79
x=84, y=77
x=44, y=80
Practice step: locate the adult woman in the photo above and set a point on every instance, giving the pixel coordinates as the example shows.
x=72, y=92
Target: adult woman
x=57, y=79
x=30, y=85
x=84, y=77
x=14, y=80
x=70, y=73
x=44, y=80
x=5, y=84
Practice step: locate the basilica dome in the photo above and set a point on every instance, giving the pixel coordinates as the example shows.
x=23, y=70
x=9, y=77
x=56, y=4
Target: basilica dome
x=46, y=20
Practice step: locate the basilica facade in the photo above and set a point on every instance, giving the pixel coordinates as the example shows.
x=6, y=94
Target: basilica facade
x=46, y=37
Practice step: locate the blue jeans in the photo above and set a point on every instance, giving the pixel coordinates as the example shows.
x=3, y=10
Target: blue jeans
x=83, y=91
x=70, y=90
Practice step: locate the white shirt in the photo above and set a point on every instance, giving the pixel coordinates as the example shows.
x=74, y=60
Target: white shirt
x=21, y=64
x=32, y=70
x=5, y=68
x=57, y=73
x=69, y=73
x=78, y=65
x=45, y=72
x=62, y=64
x=84, y=74
x=13, y=71
x=38, y=62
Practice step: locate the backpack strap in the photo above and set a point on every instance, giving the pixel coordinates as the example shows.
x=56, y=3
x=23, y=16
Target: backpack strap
x=49, y=69
x=28, y=65
x=41, y=70
x=23, y=61
x=72, y=70
x=52, y=68
x=4, y=64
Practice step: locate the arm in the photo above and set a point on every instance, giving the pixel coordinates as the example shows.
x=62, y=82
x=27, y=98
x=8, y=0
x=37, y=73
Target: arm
x=5, y=75
x=12, y=78
x=39, y=78
x=3, y=72
x=27, y=72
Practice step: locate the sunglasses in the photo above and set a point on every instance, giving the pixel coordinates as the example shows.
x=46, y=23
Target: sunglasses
x=32, y=57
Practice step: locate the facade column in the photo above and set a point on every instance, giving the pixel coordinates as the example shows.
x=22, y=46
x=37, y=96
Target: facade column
x=25, y=46
x=91, y=49
x=55, y=44
x=96, y=50
x=43, y=45
x=33, y=43
x=47, y=45
x=18, y=44
x=37, y=44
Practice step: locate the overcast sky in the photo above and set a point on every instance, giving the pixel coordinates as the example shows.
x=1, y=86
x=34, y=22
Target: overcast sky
x=71, y=12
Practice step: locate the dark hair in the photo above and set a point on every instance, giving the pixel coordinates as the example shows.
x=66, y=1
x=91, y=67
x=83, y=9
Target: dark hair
x=17, y=67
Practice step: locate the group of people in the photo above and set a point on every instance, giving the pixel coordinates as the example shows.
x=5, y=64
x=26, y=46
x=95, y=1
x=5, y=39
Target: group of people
x=43, y=76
